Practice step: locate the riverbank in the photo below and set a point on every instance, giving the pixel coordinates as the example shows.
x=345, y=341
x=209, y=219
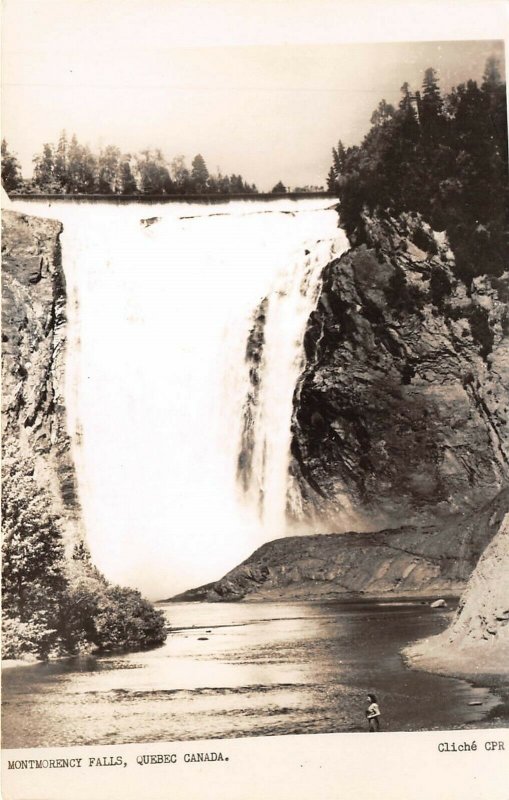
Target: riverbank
x=472, y=664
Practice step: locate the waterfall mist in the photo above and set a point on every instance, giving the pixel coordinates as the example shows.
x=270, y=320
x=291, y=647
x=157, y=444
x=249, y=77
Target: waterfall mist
x=184, y=348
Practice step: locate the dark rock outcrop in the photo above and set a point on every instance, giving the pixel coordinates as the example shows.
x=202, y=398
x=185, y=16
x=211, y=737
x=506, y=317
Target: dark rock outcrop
x=33, y=359
x=401, y=414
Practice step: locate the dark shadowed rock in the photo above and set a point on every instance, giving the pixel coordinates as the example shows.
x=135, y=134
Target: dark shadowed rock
x=401, y=413
x=33, y=358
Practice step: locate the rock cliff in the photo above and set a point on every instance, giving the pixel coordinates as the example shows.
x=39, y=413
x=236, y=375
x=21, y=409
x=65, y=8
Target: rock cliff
x=33, y=359
x=478, y=640
x=410, y=561
x=401, y=413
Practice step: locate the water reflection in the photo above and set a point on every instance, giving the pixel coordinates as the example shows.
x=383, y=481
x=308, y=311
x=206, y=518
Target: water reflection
x=240, y=670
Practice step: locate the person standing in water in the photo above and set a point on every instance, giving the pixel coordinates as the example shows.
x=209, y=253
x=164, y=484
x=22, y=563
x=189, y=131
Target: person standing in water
x=373, y=714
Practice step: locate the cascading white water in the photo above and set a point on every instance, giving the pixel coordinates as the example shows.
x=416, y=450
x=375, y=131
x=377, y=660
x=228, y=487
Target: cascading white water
x=160, y=316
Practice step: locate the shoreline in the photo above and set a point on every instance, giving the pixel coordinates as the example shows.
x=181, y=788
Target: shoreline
x=463, y=664
x=417, y=598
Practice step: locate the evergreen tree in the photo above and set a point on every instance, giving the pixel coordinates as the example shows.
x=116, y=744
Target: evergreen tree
x=199, y=174
x=445, y=157
x=492, y=78
x=44, y=170
x=279, y=188
x=74, y=166
x=11, y=170
x=431, y=106
x=381, y=115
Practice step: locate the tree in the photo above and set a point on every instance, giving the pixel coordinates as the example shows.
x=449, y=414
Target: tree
x=431, y=106
x=44, y=169
x=11, y=170
x=108, y=170
x=74, y=165
x=443, y=157
x=199, y=173
x=88, y=171
x=180, y=173
x=154, y=177
x=60, y=171
x=382, y=114
x=492, y=78
x=279, y=188
x=127, y=182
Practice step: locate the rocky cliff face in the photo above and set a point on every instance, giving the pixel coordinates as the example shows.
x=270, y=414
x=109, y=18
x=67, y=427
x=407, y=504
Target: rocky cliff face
x=478, y=640
x=401, y=413
x=411, y=561
x=33, y=353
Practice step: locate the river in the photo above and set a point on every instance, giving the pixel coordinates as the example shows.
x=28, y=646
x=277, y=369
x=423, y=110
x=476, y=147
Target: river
x=252, y=669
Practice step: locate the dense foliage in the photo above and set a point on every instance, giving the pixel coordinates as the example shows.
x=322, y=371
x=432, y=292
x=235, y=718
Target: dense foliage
x=69, y=167
x=443, y=155
x=11, y=170
x=53, y=604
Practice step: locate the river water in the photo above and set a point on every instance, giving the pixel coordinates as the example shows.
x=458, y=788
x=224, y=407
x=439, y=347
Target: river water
x=253, y=669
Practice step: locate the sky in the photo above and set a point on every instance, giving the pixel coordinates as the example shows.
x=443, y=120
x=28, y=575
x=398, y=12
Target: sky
x=260, y=88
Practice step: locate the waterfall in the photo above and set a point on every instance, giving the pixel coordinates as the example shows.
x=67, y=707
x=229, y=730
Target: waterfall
x=185, y=343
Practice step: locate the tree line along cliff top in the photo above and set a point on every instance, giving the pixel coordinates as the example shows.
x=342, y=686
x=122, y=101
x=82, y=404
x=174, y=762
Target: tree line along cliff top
x=443, y=155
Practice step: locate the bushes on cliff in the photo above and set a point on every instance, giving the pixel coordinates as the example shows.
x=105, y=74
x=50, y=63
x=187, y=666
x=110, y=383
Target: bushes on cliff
x=442, y=155
x=52, y=604
x=32, y=559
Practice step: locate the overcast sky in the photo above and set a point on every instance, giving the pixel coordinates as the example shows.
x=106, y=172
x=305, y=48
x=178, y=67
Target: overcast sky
x=125, y=72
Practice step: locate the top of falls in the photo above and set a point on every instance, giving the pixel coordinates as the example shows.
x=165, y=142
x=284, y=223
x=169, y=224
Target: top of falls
x=63, y=209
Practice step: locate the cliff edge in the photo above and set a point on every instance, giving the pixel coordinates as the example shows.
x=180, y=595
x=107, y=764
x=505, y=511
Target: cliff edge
x=33, y=359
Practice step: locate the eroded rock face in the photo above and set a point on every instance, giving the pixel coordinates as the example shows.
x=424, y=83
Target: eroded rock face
x=484, y=611
x=33, y=353
x=401, y=414
x=478, y=640
x=414, y=561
